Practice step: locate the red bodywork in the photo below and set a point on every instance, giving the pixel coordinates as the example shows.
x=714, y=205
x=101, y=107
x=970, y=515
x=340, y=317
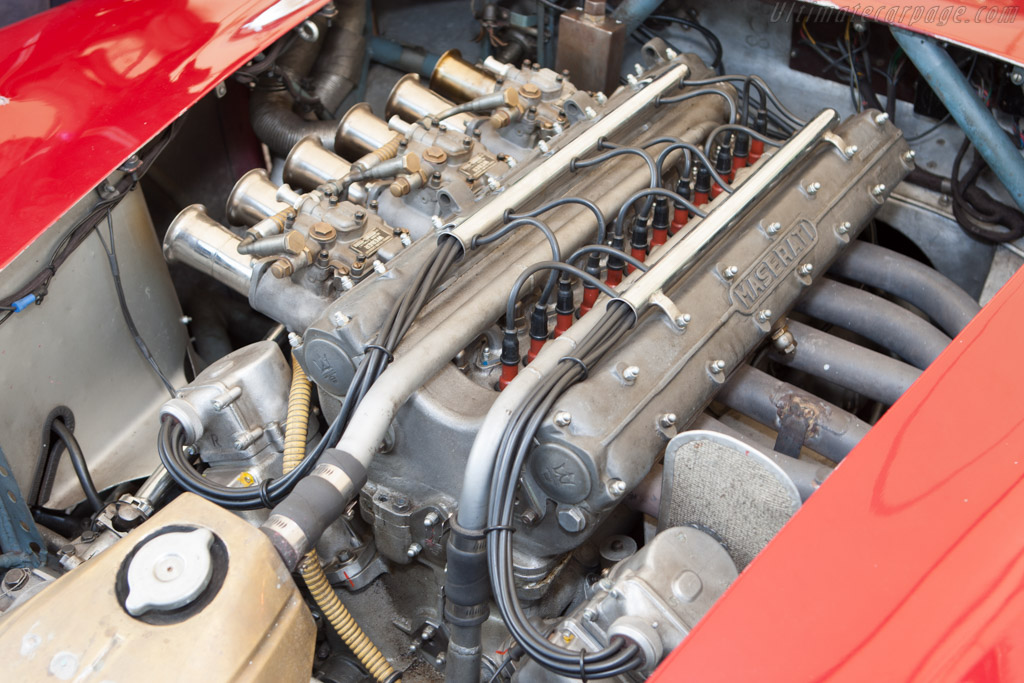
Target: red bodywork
x=906, y=565
x=86, y=85
x=992, y=27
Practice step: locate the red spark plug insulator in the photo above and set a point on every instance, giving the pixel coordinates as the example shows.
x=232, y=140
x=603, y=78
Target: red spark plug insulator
x=590, y=292
x=564, y=307
x=538, y=331
x=756, y=146
x=660, y=222
x=702, y=186
x=740, y=153
x=509, y=358
x=637, y=243
x=681, y=215
x=723, y=165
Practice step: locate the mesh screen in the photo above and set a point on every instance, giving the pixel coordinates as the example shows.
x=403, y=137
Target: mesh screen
x=730, y=493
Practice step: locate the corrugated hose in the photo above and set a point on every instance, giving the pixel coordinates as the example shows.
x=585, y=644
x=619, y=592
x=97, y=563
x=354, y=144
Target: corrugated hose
x=312, y=573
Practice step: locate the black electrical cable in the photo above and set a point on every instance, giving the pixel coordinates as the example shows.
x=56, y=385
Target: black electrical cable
x=745, y=129
x=757, y=82
x=617, y=225
x=556, y=267
x=619, y=656
x=617, y=151
x=610, y=251
x=38, y=284
x=509, y=216
x=696, y=151
x=699, y=92
x=74, y=450
x=115, y=273
x=171, y=441
x=713, y=42
x=967, y=215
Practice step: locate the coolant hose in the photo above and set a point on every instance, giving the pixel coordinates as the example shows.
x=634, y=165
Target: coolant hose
x=296, y=425
x=336, y=62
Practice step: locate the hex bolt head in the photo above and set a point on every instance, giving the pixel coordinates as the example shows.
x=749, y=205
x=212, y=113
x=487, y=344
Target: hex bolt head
x=764, y=315
x=806, y=269
x=878, y=190
x=15, y=578
x=730, y=272
x=562, y=418
x=844, y=227
x=571, y=519
x=414, y=550
x=812, y=188
x=717, y=366
x=773, y=228
x=631, y=373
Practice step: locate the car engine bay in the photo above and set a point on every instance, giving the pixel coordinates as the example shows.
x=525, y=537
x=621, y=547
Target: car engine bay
x=500, y=337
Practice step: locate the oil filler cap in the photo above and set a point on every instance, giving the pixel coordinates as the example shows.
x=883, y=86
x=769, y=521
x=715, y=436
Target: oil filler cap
x=169, y=571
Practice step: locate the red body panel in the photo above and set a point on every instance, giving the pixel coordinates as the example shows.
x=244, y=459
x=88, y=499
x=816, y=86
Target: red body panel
x=908, y=563
x=989, y=26
x=89, y=83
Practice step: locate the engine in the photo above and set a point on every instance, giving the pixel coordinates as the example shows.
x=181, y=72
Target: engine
x=551, y=362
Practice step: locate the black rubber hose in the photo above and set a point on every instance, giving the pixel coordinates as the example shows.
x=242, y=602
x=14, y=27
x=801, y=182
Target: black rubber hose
x=78, y=462
x=872, y=374
x=910, y=337
x=278, y=126
x=1002, y=214
x=939, y=297
x=339, y=67
x=335, y=74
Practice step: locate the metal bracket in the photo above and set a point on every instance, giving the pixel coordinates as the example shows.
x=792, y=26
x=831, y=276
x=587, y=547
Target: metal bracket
x=20, y=541
x=678, y=319
x=846, y=150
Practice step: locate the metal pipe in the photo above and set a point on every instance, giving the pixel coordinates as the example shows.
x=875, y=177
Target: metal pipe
x=914, y=282
x=559, y=164
x=197, y=240
x=910, y=337
x=867, y=372
x=833, y=431
x=963, y=103
x=633, y=12
x=702, y=237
